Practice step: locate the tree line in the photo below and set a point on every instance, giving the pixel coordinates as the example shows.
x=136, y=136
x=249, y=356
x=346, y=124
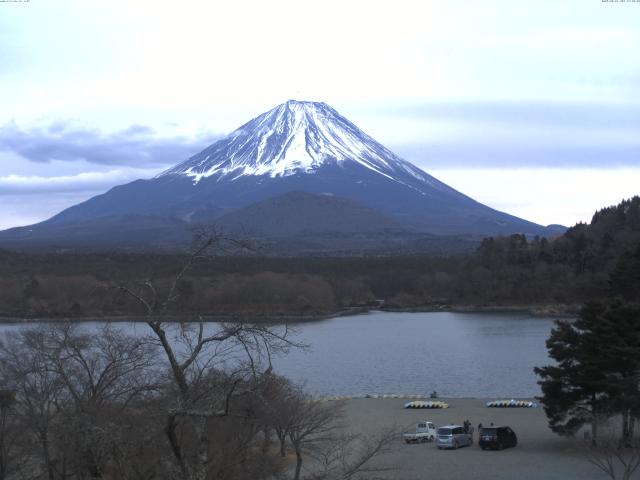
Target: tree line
x=503, y=271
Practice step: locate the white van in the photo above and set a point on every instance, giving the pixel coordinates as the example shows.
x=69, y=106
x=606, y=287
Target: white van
x=453, y=436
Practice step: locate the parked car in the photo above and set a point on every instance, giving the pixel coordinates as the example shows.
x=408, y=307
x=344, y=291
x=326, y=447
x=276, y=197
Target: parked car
x=453, y=436
x=424, y=432
x=497, y=438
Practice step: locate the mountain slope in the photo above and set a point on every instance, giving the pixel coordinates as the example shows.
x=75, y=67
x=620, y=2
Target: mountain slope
x=301, y=213
x=297, y=146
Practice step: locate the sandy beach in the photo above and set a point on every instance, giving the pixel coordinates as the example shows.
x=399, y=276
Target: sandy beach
x=540, y=454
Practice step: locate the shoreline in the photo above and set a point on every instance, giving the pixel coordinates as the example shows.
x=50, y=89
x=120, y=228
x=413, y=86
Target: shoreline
x=427, y=398
x=275, y=319
x=542, y=310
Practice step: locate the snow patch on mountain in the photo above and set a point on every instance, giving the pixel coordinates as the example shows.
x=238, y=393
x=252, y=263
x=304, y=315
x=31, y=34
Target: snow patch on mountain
x=295, y=137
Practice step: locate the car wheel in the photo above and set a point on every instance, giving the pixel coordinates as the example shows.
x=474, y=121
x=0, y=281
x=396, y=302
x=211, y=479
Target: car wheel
x=408, y=442
x=455, y=445
x=439, y=448
x=483, y=447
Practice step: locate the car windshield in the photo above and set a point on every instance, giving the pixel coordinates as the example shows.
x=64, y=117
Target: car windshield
x=488, y=431
x=444, y=431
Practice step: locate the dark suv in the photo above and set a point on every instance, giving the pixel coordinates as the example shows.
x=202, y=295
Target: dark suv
x=497, y=438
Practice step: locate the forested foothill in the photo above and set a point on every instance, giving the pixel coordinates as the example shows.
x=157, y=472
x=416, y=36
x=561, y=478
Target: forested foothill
x=514, y=272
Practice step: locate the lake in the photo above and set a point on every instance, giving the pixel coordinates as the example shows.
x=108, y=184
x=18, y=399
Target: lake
x=456, y=354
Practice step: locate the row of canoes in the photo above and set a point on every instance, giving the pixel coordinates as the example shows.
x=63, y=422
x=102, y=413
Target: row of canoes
x=437, y=403
x=369, y=395
x=426, y=404
x=374, y=395
x=511, y=404
x=392, y=395
x=493, y=404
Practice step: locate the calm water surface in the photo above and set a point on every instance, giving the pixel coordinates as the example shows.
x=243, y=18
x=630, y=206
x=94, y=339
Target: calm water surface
x=456, y=354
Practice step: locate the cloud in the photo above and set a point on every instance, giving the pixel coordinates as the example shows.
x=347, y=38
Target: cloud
x=28, y=199
x=533, y=155
x=545, y=195
x=137, y=146
x=95, y=182
x=599, y=115
x=20, y=210
x=511, y=134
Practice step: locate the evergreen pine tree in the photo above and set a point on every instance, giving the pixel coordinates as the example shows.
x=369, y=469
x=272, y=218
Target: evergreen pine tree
x=597, y=371
x=625, y=279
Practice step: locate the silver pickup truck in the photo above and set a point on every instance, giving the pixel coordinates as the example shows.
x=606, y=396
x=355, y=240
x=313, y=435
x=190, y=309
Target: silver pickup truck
x=425, y=432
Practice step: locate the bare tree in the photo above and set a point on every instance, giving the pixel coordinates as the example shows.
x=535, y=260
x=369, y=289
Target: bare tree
x=280, y=402
x=617, y=457
x=98, y=367
x=353, y=456
x=71, y=389
x=102, y=373
x=193, y=349
x=316, y=431
x=11, y=458
x=38, y=392
x=311, y=424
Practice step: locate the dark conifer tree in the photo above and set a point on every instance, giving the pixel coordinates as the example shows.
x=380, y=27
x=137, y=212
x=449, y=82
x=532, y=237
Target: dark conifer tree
x=598, y=368
x=625, y=279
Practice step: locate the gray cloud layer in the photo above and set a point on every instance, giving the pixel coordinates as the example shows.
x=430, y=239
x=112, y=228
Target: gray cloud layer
x=521, y=134
x=548, y=114
x=470, y=155
x=484, y=134
x=136, y=146
x=93, y=182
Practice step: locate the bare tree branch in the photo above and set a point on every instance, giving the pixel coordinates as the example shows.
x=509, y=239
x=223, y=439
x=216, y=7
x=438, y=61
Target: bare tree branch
x=610, y=454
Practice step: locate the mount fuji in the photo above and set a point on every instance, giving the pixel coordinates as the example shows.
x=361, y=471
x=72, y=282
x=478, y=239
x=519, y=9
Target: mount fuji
x=299, y=174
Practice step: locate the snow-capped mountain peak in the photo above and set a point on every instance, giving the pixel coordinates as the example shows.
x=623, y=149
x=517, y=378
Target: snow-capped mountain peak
x=294, y=137
x=301, y=175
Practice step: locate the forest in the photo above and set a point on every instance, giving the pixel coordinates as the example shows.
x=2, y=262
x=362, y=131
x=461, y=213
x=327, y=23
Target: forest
x=504, y=272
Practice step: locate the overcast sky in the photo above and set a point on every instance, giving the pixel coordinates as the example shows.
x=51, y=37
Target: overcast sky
x=529, y=106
